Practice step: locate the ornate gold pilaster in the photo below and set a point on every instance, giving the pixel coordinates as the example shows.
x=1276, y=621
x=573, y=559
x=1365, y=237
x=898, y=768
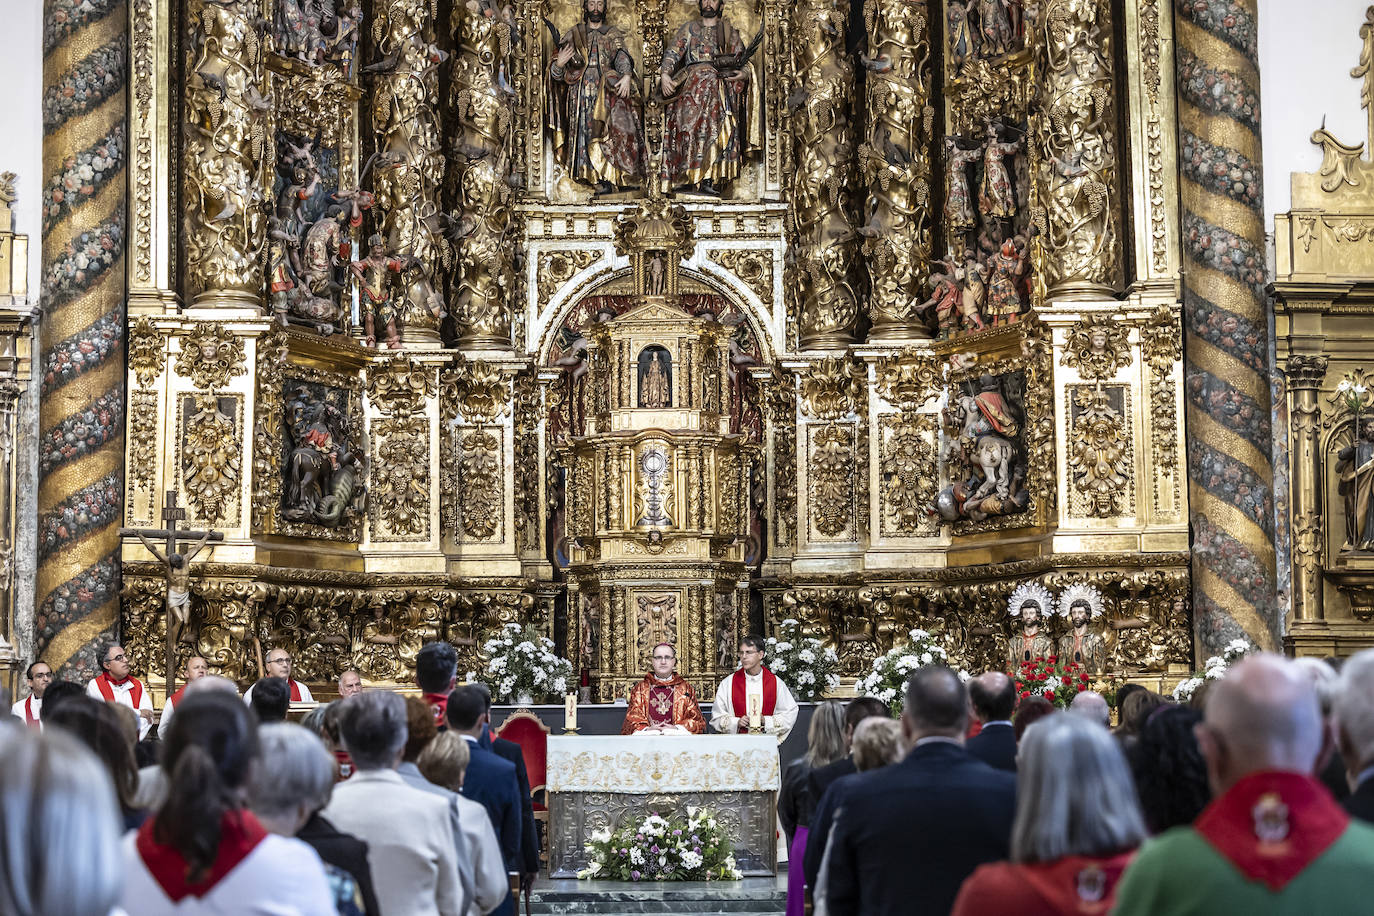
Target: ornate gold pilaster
x=153, y=147
x=229, y=147
x=1075, y=132
x=1152, y=150
x=1306, y=375
x=16, y=315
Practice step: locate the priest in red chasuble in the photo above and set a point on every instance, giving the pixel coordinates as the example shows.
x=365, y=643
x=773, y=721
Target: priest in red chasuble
x=663, y=703
x=753, y=693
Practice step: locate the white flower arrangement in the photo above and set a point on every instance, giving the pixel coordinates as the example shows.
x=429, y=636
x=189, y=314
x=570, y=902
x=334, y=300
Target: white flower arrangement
x=522, y=663
x=808, y=667
x=1214, y=669
x=663, y=849
x=887, y=680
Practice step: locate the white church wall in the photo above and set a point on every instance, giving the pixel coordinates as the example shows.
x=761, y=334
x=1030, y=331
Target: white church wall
x=1306, y=49
x=21, y=118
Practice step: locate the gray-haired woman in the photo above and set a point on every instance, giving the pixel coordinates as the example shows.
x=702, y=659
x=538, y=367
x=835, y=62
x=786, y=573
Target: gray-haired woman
x=1077, y=825
x=291, y=785
x=59, y=828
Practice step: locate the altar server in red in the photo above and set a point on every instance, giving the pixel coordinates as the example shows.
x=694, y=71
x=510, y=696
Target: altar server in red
x=663, y=703
x=753, y=691
x=279, y=665
x=116, y=685
x=30, y=708
x=1273, y=840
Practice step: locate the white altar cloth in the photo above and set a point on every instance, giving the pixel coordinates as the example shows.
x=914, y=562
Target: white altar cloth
x=636, y=764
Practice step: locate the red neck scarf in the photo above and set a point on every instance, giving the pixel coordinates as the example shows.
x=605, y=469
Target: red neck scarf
x=239, y=835
x=438, y=704
x=739, y=702
x=176, y=697
x=1273, y=824
x=29, y=717
x=1077, y=884
x=295, y=690
x=106, y=684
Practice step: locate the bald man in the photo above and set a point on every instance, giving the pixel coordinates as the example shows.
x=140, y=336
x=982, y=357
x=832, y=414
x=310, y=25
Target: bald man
x=993, y=698
x=1272, y=840
x=196, y=668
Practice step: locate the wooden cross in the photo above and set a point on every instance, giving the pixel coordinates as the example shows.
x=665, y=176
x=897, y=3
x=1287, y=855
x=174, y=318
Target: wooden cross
x=171, y=535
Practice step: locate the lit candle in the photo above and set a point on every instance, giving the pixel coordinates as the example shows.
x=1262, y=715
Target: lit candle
x=755, y=719
x=570, y=713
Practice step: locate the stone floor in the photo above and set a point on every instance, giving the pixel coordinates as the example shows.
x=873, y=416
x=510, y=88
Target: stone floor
x=750, y=897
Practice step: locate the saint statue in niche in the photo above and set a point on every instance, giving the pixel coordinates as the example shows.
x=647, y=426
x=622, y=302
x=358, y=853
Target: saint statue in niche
x=655, y=378
x=1355, y=464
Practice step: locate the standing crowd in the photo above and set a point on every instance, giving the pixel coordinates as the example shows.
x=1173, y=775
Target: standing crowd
x=1253, y=799
x=376, y=804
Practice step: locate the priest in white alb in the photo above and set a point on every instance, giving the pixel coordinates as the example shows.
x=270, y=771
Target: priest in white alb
x=279, y=665
x=30, y=709
x=116, y=685
x=753, y=700
x=196, y=668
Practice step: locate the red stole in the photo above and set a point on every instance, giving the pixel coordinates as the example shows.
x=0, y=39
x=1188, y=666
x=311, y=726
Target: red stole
x=106, y=684
x=737, y=698
x=1273, y=824
x=1077, y=884
x=29, y=717
x=295, y=690
x=345, y=765
x=239, y=835
x=438, y=704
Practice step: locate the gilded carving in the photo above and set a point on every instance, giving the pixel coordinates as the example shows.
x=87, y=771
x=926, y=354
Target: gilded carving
x=910, y=475
x=783, y=415
x=909, y=381
x=555, y=268
x=409, y=161
x=480, y=470
x=987, y=452
x=831, y=477
x=211, y=356
x=482, y=390
x=833, y=389
x=753, y=267
x=211, y=470
x=323, y=477
x=1100, y=456
x=268, y=429
x=146, y=350
x=399, y=503
x=894, y=162
x=227, y=144
x=1076, y=174
x=142, y=467
x=1161, y=347
x=824, y=217
x=1097, y=348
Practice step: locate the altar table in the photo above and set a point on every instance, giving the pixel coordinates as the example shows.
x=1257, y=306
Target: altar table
x=598, y=781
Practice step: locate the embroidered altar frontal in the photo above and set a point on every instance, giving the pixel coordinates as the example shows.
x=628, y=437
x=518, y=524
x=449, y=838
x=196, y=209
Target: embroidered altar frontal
x=601, y=782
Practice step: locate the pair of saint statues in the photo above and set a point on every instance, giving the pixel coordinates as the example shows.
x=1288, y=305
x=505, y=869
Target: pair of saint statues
x=1032, y=605
x=708, y=91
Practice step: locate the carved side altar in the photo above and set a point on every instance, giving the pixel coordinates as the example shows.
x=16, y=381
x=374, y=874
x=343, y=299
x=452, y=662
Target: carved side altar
x=598, y=782
x=442, y=316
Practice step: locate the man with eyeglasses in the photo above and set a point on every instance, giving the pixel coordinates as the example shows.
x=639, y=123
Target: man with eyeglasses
x=116, y=685
x=279, y=665
x=39, y=676
x=663, y=703
x=753, y=699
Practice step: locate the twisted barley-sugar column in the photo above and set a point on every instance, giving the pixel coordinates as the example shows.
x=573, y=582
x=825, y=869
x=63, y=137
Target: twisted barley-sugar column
x=1226, y=336
x=81, y=406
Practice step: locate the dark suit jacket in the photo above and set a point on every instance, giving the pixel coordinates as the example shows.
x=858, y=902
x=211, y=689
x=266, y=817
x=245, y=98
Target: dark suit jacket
x=1360, y=803
x=490, y=781
x=529, y=838
x=817, y=781
x=907, y=835
x=995, y=745
x=344, y=851
x=822, y=821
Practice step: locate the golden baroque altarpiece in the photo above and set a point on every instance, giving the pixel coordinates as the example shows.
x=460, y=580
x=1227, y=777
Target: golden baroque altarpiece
x=654, y=321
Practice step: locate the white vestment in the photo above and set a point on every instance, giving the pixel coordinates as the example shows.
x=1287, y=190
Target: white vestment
x=726, y=719
x=124, y=696
x=30, y=705
x=305, y=693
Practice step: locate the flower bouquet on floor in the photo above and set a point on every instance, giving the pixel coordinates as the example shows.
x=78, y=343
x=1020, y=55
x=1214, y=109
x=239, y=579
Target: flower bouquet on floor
x=1055, y=680
x=1215, y=668
x=695, y=848
x=808, y=667
x=887, y=680
x=522, y=667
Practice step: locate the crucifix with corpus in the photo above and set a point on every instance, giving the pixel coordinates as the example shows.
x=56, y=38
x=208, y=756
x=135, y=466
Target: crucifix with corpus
x=178, y=570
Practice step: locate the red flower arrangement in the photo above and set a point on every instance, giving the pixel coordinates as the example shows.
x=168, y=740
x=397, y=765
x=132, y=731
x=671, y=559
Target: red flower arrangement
x=1059, y=682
